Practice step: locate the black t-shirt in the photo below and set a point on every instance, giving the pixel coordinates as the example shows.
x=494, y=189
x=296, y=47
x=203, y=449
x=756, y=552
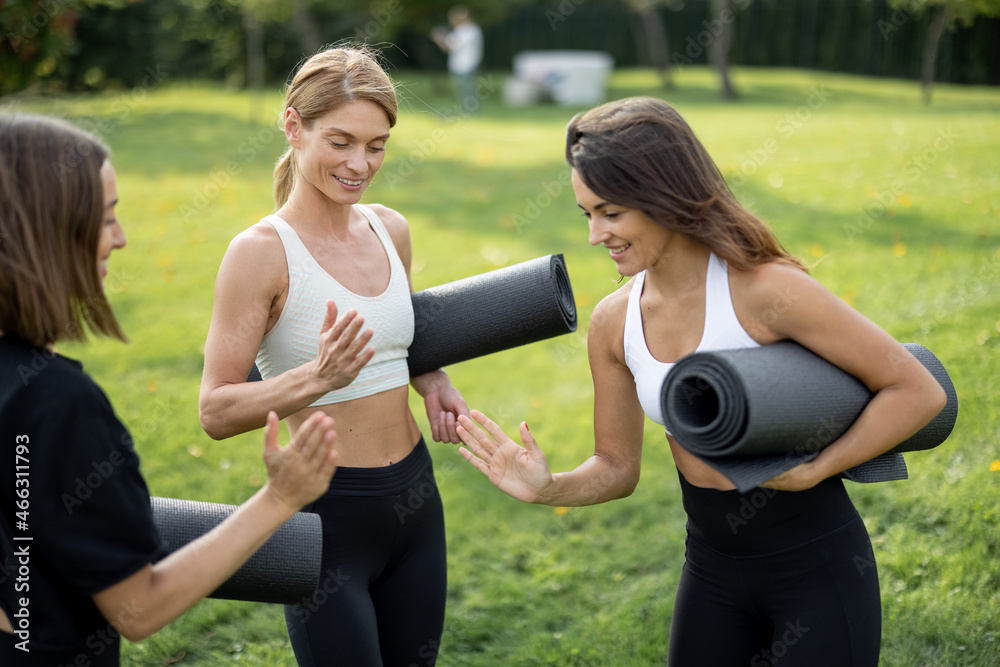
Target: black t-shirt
x=87, y=513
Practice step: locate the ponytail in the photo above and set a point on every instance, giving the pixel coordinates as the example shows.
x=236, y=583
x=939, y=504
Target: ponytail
x=284, y=177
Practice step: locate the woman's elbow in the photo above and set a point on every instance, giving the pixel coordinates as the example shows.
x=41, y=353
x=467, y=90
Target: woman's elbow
x=135, y=634
x=625, y=484
x=212, y=422
x=136, y=625
x=928, y=398
x=628, y=488
x=938, y=399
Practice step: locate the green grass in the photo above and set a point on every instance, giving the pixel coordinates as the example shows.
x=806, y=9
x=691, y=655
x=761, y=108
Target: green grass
x=845, y=169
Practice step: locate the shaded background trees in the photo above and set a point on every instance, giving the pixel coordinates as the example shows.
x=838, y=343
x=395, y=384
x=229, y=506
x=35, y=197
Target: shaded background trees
x=944, y=14
x=92, y=44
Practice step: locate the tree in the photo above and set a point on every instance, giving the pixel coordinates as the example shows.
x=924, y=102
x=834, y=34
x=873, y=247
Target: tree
x=944, y=14
x=649, y=30
x=306, y=26
x=35, y=35
x=720, y=26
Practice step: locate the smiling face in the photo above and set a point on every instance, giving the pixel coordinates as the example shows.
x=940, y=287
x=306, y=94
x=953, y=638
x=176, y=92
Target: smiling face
x=340, y=153
x=633, y=240
x=112, y=235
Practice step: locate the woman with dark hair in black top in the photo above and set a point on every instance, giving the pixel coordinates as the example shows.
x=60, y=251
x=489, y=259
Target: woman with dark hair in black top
x=81, y=561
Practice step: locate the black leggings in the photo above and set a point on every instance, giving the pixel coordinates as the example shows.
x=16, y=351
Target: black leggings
x=381, y=595
x=776, y=578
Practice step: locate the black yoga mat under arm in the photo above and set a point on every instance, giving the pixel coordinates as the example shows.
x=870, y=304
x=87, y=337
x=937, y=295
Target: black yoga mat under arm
x=755, y=413
x=490, y=312
x=285, y=570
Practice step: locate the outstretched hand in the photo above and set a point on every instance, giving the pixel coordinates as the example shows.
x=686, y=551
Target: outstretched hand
x=342, y=352
x=300, y=473
x=520, y=472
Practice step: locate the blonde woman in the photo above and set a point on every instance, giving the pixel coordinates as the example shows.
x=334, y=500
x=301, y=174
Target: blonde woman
x=294, y=293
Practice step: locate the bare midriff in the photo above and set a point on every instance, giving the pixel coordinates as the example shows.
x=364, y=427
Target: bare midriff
x=696, y=471
x=372, y=432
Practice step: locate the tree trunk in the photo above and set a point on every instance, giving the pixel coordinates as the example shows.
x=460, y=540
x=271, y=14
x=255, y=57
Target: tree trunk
x=721, y=13
x=309, y=37
x=934, y=32
x=657, y=43
x=255, y=61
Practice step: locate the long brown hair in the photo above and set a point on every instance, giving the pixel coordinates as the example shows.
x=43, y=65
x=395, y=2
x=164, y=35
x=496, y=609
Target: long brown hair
x=51, y=216
x=639, y=153
x=328, y=80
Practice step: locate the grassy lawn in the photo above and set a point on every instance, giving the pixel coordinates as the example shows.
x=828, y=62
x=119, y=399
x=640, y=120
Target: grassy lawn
x=897, y=204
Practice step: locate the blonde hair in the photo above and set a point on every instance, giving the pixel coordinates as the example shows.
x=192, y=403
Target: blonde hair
x=328, y=80
x=51, y=216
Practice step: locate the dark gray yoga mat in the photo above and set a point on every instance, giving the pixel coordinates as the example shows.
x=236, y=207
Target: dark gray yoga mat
x=755, y=413
x=499, y=310
x=490, y=312
x=284, y=571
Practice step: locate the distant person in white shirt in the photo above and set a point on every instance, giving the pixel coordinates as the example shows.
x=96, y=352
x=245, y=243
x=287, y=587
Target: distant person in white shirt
x=464, y=46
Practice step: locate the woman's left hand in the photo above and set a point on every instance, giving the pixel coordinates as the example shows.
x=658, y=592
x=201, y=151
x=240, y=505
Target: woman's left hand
x=444, y=404
x=801, y=477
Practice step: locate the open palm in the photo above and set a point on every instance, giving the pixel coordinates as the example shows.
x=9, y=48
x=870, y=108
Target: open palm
x=520, y=472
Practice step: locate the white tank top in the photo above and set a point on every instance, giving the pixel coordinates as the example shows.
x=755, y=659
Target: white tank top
x=294, y=339
x=723, y=331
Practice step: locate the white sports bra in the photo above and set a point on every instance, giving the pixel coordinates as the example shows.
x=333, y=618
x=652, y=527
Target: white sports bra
x=294, y=339
x=723, y=331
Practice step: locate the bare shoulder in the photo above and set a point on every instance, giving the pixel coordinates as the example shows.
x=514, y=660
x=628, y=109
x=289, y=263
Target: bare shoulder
x=607, y=322
x=256, y=256
x=767, y=278
x=256, y=242
x=774, y=301
x=612, y=307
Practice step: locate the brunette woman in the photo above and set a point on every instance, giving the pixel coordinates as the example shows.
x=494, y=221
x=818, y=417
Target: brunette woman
x=83, y=567
x=706, y=274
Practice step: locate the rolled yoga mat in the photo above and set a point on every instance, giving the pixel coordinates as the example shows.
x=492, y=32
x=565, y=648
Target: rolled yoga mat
x=494, y=311
x=490, y=312
x=285, y=570
x=755, y=413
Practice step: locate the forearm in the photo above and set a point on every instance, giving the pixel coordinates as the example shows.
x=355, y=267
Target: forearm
x=180, y=580
x=596, y=480
x=891, y=417
x=231, y=409
x=425, y=383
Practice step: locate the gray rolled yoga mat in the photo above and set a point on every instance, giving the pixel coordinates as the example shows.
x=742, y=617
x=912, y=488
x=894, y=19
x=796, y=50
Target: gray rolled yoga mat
x=490, y=312
x=755, y=413
x=285, y=570
x=516, y=305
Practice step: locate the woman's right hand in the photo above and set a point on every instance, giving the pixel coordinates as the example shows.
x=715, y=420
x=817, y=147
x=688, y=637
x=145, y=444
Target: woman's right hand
x=342, y=352
x=520, y=472
x=300, y=473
